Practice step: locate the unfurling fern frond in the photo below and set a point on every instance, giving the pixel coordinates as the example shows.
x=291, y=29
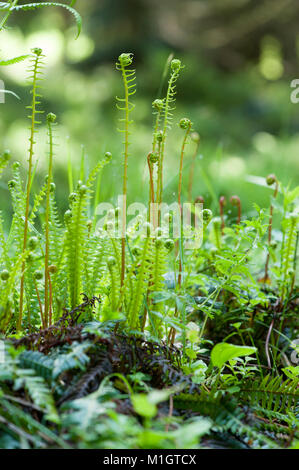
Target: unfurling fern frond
x=124, y=104
x=36, y=77
x=168, y=108
x=13, y=7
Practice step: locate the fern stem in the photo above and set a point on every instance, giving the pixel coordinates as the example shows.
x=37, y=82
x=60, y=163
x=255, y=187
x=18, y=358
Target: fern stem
x=184, y=124
x=50, y=300
x=151, y=186
x=192, y=168
x=270, y=231
x=40, y=304
x=290, y=240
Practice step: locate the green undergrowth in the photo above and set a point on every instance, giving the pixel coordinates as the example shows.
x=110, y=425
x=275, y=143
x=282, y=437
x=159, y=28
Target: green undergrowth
x=144, y=335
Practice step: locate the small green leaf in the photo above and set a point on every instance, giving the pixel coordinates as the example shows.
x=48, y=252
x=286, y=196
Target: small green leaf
x=143, y=406
x=223, y=352
x=190, y=353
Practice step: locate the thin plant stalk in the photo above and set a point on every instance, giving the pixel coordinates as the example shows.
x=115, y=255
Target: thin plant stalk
x=270, y=179
x=50, y=120
x=195, y=137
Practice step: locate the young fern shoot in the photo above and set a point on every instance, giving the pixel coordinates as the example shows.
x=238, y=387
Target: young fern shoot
x=128, y=76
x=36, y=78
x=169, y=106
x=13, y=6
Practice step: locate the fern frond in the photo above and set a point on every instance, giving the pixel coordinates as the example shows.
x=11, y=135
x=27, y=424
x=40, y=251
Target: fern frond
x=38, y=199
x=272, y=394
x=36, y=77
x=128, y=75
x=4, y=160
x=290, y=228
x=140, y=284
x=34, y=6
x=156, y=284
x=15, y=60
x=168, y=107
x=6, y=290
x=225, y=413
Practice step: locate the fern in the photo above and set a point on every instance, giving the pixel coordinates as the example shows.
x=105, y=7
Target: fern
x=156, y=285
x=4, y=160
x=57, y=243
x=225, y=413
x=95, y=264
x=38, y=199
x=48, y=304
x=128, y=75
x=272, y=394
x=140, y=284
x=15, y=60
x=290, y=226
x=6, y=291
x=16, y=232
x=27, y=427
x=74, y=357
x=76, y=239
x=168, y=108
x=36, y=78
x=13, y=7
x=115, y=283
x=77, y=234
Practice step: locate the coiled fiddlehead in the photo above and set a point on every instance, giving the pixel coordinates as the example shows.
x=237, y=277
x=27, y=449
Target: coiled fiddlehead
x=129, y=77
x=36, y=78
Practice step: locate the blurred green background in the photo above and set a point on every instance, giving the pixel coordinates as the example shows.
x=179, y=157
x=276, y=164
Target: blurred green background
x=240, y=57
